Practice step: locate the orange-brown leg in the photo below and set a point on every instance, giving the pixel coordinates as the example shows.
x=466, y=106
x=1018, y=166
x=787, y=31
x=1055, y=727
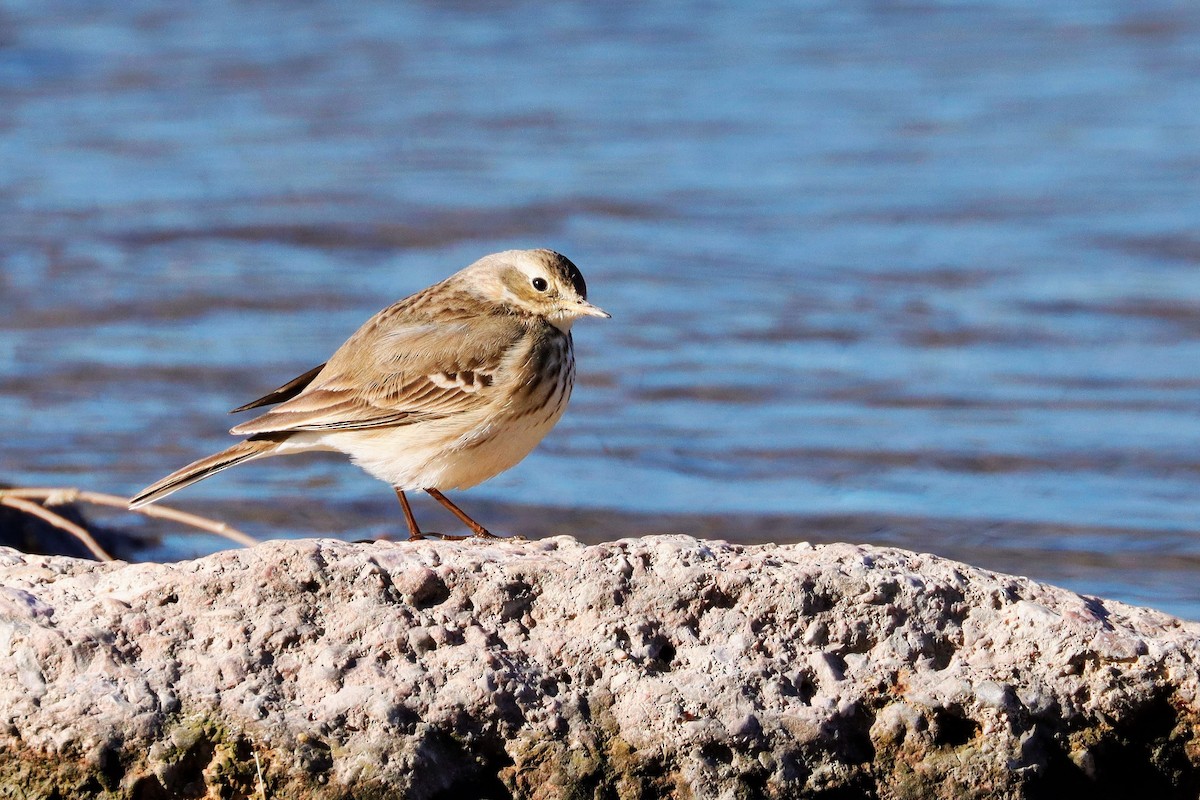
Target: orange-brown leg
x=477, y=529
x=414, y=532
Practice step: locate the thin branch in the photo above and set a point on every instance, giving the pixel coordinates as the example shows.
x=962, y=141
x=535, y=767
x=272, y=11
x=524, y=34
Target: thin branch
x=173, y=514
x=54, y=519
x=60, y=496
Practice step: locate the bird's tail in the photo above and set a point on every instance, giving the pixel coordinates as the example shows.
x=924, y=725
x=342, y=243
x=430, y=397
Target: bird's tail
x=199, y=470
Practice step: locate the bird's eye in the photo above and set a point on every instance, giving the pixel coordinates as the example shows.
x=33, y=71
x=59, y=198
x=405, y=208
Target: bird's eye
x=540, y=284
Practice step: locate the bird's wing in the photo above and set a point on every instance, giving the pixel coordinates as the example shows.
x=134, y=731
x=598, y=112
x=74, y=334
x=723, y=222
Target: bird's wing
x=286, y=392
x=398, y=374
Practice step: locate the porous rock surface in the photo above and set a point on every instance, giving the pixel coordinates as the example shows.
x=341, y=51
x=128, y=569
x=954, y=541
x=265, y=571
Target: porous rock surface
x=644, y=668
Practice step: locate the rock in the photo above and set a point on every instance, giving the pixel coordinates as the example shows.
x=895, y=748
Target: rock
x=656, y=667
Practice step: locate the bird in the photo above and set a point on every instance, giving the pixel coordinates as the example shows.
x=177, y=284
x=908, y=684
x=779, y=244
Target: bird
x=439, y=391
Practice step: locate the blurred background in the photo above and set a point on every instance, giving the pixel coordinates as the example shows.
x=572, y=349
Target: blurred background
x=915, y=274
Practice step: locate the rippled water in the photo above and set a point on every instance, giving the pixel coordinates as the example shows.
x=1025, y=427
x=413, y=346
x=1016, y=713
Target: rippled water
x=913, y=274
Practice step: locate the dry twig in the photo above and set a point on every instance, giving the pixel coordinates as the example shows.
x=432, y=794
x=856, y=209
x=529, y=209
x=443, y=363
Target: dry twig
x=21, y=499
x=57, y=521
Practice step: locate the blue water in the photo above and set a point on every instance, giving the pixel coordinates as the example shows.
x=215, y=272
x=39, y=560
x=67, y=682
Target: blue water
x=912, y=274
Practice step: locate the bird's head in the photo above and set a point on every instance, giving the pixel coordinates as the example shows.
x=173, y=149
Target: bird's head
x=540, y=283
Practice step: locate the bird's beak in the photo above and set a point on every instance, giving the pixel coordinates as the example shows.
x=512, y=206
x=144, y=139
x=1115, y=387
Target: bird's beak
x=583, y=308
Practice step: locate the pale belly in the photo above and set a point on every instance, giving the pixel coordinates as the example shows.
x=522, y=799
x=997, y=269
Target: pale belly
x=450, y=456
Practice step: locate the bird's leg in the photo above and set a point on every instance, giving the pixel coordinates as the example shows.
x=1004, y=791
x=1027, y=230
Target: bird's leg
x=478, y=530
x=414, y=532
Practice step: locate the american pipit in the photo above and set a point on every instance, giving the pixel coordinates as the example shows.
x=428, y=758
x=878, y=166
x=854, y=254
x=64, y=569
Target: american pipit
x=442, y=390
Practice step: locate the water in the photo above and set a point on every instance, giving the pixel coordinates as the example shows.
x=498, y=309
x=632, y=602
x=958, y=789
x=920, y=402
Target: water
x=913, y=274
